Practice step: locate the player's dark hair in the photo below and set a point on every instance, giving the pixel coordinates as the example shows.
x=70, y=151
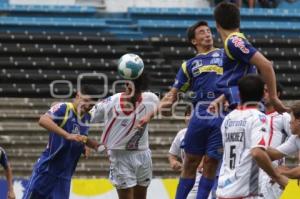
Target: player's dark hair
x=279, y=89
x=91, y=90
x=141, y=83
x=251, y=88
x=188, y=110
x=191, y=30
x=227, y=15
x=296, y=110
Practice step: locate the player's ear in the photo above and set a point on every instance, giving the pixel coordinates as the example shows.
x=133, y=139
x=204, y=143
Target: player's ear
x=194, y=42
x=218, y=27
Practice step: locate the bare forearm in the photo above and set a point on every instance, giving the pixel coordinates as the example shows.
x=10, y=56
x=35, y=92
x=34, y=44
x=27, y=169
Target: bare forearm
x=9, y=178
x=264, y=161
x=274, y=154
x=268, y=76
x=293, y=173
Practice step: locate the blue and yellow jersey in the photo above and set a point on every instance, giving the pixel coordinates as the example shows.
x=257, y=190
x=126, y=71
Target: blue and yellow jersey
x=61, y=156
x=199, y=75
x=3, y=159
x=236, y=64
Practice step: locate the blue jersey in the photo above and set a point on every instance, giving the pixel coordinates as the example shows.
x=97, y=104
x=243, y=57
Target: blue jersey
x=3, y=158
x=61, y=156
x=236, y=64
x=199, y=75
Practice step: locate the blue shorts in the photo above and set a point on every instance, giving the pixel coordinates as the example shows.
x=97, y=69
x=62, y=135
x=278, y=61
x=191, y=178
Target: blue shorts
x=47, y=186
x=203, y=136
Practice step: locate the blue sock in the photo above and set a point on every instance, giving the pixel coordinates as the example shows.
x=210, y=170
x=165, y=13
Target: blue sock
x=214, y=188
x=204, y=188
x=184, y=187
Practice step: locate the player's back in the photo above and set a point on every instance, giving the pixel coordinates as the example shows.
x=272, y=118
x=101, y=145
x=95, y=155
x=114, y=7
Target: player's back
x=200, y=74
x=242, y=130
x=61, y=156
x=236, y=64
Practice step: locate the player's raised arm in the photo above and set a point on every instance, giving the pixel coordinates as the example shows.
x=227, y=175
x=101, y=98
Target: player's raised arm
x=264, y=162
x=274, y=154
x=266, y=70
x=47, y=121
x=165, y=104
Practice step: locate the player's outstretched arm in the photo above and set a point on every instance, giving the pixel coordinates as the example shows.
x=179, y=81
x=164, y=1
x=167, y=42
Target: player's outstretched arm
x=274, y=154
x=47, y=123
x=264, y=162
x=165, y=103
x=9, y=178
x=266, y=70
x=293, y=173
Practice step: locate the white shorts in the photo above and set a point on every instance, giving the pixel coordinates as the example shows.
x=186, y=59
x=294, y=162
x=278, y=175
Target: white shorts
x=130, y=168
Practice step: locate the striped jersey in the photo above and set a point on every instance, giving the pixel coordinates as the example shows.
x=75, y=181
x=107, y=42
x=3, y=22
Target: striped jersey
x=242, y=130
x=279, y=132
x=119, y=132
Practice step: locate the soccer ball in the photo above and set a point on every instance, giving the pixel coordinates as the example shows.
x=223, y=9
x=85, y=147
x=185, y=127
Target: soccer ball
x=130, y=66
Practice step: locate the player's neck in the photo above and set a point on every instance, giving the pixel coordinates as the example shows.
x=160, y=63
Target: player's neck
x=248, y=106
x=204, y=50
x=269, y=109
x=225, y=33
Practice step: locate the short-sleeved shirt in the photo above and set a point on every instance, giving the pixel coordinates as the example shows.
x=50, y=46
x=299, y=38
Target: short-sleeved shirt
x=242, y=130
x=236, y=64
x=61, y=156
x=119, y=132
x=199, y=75
x=175, y=148
x=3, y=158
x=291, y=146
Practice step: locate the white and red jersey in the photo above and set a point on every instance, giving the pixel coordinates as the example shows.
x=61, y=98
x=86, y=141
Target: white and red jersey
x=279, y=132
x=119, y=131
x=242, y=130
x=279, y=128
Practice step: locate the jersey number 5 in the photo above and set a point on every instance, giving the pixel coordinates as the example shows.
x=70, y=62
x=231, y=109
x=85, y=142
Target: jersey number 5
x=232, y=157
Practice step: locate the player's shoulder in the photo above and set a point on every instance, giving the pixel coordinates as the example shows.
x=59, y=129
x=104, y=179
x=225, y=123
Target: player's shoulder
x=236, y=37
x=111, y=99
x=150, y=96
x=55, y=106
x=286, y=116
x=181, y=133
x=258, y=116
x=236, y=42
